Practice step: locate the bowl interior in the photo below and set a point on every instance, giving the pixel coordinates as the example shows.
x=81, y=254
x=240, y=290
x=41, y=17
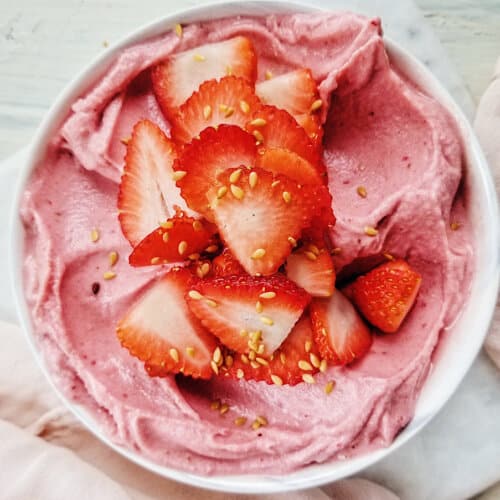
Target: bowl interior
x=468, y=332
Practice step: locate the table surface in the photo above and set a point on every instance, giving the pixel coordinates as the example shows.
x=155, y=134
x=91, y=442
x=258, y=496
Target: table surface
x=33, y=31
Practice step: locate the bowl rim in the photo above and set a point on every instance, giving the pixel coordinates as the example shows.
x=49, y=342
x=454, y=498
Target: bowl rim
x=315, y=474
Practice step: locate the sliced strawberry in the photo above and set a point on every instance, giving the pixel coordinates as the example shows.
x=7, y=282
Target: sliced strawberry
x=297, y=93
x=160, y=330
x=179, y=238
x=230, y=100
x=282, y=161
x=175, y=79
x=225, y=264
x=312, y=269
x=386, y=294
x=339, y=331
x=148, y=193
x=276, y=128
x=295, y=361
x=261, y=216
x=204, y=159
x=247, y=312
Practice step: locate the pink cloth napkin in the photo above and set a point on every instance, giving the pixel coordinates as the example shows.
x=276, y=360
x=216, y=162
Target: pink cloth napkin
x=46, y=454
x=487, y=126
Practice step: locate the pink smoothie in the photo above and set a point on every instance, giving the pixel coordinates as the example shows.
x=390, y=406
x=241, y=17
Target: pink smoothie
x=381, y=132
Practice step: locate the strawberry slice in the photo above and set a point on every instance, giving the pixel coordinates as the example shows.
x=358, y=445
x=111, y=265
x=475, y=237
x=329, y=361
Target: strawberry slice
x=248, y=313
x=297, y=93
x=282, y=161
x=385, y=295
x=260, y=216
x=160, y=330
x=230, y=100
x=276, y=128
x=312, y=269
x=148, y=193
x=339, y=331
x=179, y=238
x=226, y=265
x=204, y=159
x=297, y=360
x=175, y=79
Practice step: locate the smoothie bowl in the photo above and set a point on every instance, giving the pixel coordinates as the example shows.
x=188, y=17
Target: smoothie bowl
x=250, y=246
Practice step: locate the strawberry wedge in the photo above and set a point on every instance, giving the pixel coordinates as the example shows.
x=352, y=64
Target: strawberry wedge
x=179, y=238
x=386, y=294
x=339, y=331
x=276, y=128
x=260, y=216
x=248, y=313
x=312, y=269
x=204, y=159
x=297, y=360
x=148, y=193
x=160, y=330
x=297, y=93
x=175, y=79
x=230, y=100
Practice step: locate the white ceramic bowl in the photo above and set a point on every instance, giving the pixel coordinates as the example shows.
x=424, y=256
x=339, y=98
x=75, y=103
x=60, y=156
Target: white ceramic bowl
x=458, y=352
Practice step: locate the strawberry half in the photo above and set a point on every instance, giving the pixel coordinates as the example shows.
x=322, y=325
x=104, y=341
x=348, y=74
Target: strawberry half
x=226, y=265
x=385, y=295
x=260, y=216
x=148, y=193
x=312, y=269
x=276, y=128
x=282, y=161
x=248, y=313
x=296, y=360
x=160, y=330
x=175, y=79
x=179, y=238
x=205, y=158
x=297, y=93
x=339, y=331
x=230, y=100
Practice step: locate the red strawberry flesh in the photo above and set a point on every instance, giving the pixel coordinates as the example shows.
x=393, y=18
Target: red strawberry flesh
x=339, y=331
x=296, y=361
x=261, y=215
x=148, y=193
x=177, y=239
x=160, y=330
x=175, y=79
x=230, y=100
x=386, y=294
x=205, y=158
x=245, y=312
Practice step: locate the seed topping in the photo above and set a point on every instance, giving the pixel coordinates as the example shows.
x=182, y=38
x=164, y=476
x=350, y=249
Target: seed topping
x=195, y=295
x=109, y=275
x=174, y=354
x=113, y=258
x=329, y=386
x=182, y=247
x=316, y=105
x=258, y=254
x=234, y=177
x=178, y=175
x=252, y=179
x=371, y=231
x=237, y=192
x=178, y=30
x=94, y=235
x=267, y=295
x=361, y=190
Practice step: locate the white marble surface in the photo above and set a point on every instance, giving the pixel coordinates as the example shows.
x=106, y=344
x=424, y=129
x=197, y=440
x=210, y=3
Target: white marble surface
x=458, y=454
